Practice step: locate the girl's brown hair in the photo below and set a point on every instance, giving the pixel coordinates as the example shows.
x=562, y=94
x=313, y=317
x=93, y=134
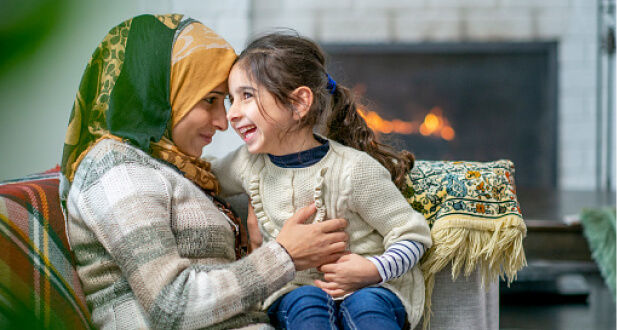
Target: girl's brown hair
x=282, y=61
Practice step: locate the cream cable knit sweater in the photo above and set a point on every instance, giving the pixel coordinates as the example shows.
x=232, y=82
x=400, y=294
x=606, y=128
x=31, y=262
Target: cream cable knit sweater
x=153, y=251
x=346, y=183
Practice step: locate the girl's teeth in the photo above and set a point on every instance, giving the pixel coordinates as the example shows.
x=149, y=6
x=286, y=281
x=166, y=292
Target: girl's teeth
x=245, y=129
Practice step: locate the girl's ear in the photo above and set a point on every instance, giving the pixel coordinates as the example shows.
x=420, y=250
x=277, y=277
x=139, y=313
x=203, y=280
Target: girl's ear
x=302, y=100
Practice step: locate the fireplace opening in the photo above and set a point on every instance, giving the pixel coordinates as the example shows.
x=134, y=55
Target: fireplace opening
x=460, y=101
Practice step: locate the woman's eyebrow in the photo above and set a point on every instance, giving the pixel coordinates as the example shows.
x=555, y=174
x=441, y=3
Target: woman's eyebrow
x=217, y=92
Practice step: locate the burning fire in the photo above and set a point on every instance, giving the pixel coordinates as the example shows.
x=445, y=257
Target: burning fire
x=434, y=124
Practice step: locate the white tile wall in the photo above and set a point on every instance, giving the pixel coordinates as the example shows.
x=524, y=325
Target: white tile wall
x=499, y=24
x=266, y=20
x=390, y=4
x=413, y=25
x=572, y=23
x=357, y=26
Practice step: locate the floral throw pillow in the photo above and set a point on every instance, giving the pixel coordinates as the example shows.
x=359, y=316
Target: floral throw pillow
x=483, y=190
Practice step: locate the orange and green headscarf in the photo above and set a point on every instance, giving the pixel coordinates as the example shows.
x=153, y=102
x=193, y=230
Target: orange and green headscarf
x=142, y=79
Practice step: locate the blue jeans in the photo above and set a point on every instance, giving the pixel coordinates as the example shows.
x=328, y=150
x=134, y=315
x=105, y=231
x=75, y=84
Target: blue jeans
x=309, y=307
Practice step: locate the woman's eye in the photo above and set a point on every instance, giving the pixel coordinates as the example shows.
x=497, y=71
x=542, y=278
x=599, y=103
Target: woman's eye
x=246, y=95
x=209, y=100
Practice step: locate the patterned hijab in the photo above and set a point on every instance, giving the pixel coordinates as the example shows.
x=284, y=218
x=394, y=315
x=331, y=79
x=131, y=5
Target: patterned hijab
x=142, y=79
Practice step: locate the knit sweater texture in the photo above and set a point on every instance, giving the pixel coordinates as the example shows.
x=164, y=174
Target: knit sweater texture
x=153, y=251
x=345, y=183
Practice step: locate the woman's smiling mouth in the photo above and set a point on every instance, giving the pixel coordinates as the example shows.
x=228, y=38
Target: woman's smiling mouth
x=206, y=137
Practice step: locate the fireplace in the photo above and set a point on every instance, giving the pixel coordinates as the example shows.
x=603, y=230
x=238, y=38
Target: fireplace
x=460, y=101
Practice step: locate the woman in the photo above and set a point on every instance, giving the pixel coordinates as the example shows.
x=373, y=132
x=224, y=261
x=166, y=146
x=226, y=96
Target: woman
x=153, y=246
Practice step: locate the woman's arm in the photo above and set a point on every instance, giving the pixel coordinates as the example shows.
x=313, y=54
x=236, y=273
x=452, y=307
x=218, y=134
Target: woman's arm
x=129, y=210
x=255, y=237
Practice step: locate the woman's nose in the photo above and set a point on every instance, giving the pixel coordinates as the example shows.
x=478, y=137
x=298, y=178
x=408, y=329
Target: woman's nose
x=219, y=120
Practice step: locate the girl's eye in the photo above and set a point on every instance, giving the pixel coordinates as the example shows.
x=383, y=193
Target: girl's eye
x=209, y=100
x=246, y=95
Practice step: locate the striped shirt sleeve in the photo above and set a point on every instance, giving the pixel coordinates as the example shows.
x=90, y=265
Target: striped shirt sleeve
x=398, y=259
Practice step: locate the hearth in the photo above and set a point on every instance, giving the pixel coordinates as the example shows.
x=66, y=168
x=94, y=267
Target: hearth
x=461, y=101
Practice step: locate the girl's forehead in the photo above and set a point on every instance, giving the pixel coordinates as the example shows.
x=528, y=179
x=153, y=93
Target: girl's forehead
x=240, y=79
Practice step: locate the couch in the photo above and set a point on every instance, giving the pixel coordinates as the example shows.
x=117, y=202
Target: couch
x=472, y=209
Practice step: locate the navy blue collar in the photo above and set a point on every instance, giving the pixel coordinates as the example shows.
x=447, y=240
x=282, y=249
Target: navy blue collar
x=304, y=158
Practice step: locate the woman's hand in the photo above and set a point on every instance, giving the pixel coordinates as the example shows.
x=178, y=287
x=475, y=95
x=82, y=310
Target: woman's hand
x=348, y=274
x=255, y=238
x=314, y=244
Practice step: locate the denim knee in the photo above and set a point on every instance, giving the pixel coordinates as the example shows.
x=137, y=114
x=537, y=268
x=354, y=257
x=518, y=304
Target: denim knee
x=307, y=307
x=372, y=307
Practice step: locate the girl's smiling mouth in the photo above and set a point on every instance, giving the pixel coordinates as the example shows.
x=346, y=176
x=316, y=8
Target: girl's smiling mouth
x=247, y=132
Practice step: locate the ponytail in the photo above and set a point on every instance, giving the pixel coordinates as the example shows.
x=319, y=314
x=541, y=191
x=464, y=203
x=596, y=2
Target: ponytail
x=346, y=126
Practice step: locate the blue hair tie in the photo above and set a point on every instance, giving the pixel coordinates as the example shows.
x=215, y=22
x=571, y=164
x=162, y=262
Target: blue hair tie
x=331, y=87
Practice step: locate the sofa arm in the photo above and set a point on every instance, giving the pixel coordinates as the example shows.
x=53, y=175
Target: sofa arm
x=39, y=286
x=463, y=303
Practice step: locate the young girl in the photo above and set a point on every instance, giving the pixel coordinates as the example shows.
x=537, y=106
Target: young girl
x=279, y=92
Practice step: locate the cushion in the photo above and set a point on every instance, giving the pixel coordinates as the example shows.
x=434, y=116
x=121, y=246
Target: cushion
x=442, y=189
x=38, y=283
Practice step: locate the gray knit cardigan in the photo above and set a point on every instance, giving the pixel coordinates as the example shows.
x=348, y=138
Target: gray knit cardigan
x=153, y=251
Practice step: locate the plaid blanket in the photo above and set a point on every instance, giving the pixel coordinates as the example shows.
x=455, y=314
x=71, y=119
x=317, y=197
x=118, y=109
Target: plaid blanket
x=38, y=284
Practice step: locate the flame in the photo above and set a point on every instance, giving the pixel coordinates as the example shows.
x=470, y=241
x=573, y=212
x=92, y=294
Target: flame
x=435, y=124
x=380, y=125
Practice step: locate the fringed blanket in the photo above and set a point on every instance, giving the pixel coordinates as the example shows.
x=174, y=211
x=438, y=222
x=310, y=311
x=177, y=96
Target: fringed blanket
x=474, y=216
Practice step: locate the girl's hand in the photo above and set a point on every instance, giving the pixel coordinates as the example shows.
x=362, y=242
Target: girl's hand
x=348, y=274
x=255, y=238
x=314, y=244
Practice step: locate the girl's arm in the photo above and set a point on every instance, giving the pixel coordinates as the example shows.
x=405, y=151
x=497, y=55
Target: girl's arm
x=381, y=205
x=348, y=274
x=232, y=169
x=406, y=234
x=352, y=271
x=398, y=259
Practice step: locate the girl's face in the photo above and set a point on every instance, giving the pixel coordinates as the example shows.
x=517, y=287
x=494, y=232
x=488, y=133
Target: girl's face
x=196, y=129
x=262, y=133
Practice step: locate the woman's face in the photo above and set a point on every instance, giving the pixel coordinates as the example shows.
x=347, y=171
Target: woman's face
x=196, y=129
x=261, y=133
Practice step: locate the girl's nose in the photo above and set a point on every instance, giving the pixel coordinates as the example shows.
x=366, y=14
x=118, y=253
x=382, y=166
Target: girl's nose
x=232, y=113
